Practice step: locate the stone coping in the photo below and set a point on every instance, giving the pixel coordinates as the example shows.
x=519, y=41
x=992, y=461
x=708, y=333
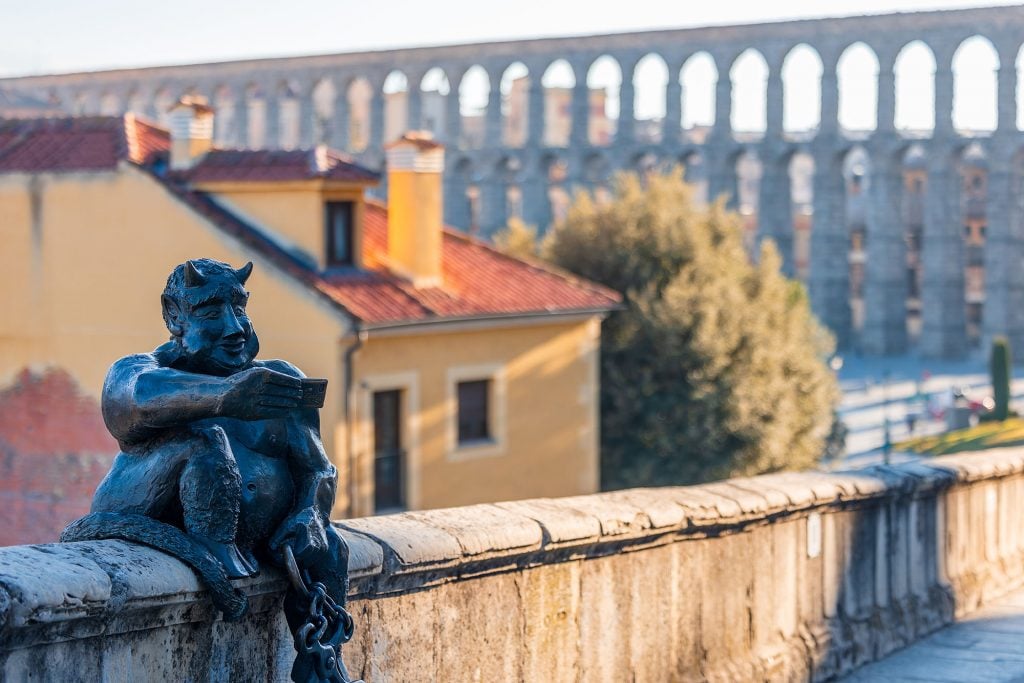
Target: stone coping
x=60, y=591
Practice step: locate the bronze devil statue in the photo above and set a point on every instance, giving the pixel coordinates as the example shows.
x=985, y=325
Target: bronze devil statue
x=221, y=463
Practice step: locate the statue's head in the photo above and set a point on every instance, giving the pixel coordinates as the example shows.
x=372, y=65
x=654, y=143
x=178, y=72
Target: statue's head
x=204, y=309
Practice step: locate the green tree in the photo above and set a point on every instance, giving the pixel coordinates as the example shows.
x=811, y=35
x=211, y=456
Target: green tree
x=518, y=239
x=999, y=365
x=715, y=367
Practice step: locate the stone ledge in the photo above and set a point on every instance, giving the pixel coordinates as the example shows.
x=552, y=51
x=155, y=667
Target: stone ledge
x=47, y=585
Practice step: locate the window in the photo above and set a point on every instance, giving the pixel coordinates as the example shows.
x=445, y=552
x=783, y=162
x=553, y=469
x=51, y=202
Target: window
x=388, y=451
x=340, y=245
x=474, y=410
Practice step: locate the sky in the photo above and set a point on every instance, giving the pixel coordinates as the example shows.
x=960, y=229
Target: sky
x=49, y=36
x=76, y=35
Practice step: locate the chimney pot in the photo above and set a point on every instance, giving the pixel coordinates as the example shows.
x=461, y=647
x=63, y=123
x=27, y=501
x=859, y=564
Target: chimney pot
x=191, y=124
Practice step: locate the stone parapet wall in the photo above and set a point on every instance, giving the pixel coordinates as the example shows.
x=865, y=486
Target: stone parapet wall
x=780, y=577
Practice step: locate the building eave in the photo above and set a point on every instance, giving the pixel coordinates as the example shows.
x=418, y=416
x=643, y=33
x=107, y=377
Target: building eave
x=483, y=321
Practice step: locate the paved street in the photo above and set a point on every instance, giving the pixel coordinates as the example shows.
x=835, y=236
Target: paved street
x=869, y=398
x=986, y=646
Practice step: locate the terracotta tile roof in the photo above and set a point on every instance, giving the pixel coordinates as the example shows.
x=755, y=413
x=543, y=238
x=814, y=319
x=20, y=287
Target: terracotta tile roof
x=278, y=165
x=77, y=144
x=477, y=281
x=146, y=140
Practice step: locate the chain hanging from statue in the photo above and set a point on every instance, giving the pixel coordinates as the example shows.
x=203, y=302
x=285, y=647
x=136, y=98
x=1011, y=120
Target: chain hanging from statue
x=318, y=640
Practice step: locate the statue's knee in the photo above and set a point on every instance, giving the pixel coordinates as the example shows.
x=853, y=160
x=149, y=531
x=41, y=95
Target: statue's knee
x=211, y=460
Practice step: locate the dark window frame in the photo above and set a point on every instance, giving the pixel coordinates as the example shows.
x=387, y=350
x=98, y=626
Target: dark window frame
x=474, y=424
x=330, y=238
x=390, y=494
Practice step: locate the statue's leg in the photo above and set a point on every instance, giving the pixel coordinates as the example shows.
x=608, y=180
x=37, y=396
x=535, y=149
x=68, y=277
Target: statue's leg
x=211, y=496
x=146, y=483
x=329, y=567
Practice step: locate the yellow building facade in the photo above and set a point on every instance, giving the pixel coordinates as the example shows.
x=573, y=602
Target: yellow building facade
x=457, y=374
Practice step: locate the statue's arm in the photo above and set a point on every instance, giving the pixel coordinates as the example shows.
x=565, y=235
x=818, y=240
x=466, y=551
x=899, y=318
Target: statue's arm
x=314, y=476
x=140, y=397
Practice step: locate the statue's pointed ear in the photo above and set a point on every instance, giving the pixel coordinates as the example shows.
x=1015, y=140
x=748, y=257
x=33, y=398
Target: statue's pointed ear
x=193, y=276
x=172, y=315
x=243, y=273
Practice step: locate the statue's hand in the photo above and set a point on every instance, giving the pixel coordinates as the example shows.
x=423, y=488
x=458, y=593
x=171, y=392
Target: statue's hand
x=260, y=394
x=304, y=532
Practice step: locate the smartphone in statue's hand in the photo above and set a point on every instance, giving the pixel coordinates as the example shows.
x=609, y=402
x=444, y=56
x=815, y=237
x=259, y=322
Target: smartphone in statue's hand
x=313, y=392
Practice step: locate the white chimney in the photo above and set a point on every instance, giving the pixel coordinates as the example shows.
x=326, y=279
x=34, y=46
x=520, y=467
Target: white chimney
x=191, y=123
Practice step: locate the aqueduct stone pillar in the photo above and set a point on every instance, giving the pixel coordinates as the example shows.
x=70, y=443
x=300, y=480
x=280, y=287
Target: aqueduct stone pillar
x=775, y=206
x=340, y=122
x=944, y=310
x=241, y=133
x=414, y=102
x=626, y=132
x=494, y=132
x=579, y=135
x=535, y=107
x=377, y=118
x=829, y=278
x=307, y=121
x=453, y=116
x=885, y=275
x=272, y=120
x=672, y=125
x=1003, y=312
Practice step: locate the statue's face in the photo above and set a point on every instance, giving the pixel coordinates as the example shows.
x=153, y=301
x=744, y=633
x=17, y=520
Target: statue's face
x=216, y=334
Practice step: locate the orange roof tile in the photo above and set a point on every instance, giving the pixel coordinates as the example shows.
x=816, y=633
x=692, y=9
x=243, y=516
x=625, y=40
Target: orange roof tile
x=477, y=281
x=265, y=165
x=77, y=144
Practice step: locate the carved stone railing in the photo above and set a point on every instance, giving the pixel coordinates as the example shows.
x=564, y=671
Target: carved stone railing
x=785, y=576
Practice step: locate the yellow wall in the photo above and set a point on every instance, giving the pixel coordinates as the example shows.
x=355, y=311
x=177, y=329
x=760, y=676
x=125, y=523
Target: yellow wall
x=550, y=374
x=294, y=210
x=81, y=282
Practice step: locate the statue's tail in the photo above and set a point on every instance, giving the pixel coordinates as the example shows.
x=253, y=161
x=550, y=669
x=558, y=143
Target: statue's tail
x=171, y=540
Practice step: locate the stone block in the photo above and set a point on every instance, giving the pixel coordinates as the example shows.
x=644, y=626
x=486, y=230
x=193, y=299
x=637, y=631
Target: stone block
x=725, y=621
x=485, y=529
x=693, y=579
x=413, y=541
x=365, y=556
x=658, y=504
x=751, y=503
x=779, y=495
x=479, y=629
x=654, y=587
x=550, y=602
x=49, y=583
x=616, y=516
x=604, y=641
x=561, y=524
x=704, y=508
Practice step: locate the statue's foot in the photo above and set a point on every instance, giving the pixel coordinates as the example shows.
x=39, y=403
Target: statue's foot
x=250, y=561
x=234, y=563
